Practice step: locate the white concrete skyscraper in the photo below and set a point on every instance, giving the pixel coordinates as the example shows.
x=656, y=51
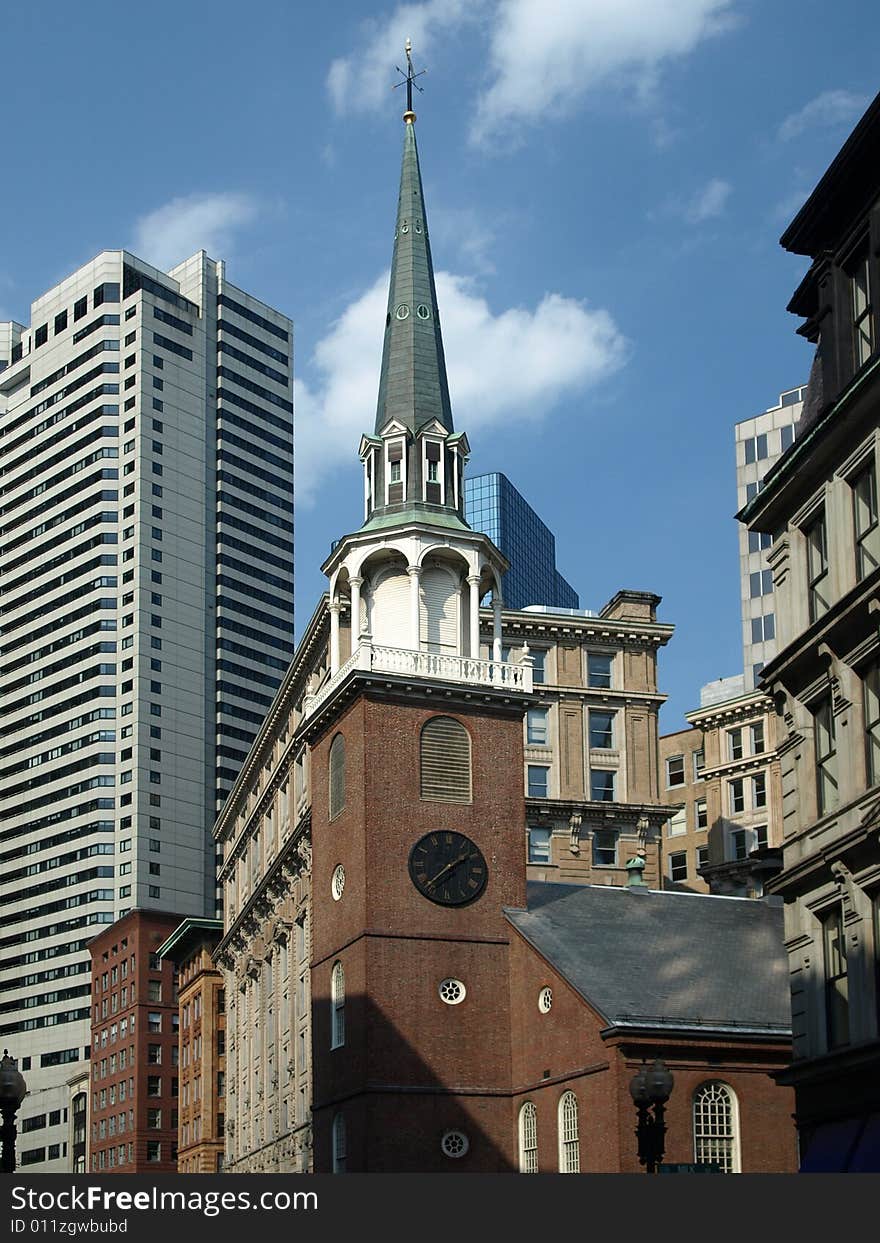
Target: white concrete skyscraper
x=760, y=442
x=146, y=618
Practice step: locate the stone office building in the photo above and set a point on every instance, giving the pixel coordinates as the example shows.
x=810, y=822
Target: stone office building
x=819, y=504
x=722, y=777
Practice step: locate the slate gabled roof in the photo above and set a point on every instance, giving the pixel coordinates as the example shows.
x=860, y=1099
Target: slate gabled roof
x=656, y=959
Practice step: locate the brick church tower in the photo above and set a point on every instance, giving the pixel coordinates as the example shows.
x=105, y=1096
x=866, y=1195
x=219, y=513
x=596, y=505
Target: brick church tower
x=417, y=783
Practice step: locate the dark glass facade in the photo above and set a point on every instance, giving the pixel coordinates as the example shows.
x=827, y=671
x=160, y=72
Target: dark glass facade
x=493, y=506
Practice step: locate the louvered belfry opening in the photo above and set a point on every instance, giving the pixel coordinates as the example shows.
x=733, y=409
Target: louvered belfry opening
x=445, y=761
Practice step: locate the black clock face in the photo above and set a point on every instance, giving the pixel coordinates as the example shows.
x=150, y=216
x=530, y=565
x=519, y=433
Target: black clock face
x=448, y=868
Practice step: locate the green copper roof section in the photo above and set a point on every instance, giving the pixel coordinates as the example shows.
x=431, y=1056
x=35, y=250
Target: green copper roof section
x=435, y=516
x=413, y=387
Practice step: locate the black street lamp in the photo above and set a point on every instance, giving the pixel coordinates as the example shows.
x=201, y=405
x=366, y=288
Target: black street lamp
x=13, y=1090
x=650, y=1089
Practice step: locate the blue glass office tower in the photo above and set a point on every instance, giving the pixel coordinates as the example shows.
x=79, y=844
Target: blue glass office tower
x=493, y=506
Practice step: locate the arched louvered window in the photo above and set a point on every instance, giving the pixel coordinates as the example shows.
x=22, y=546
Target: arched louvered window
x=337, y=1006
x=716, y=1127
x=339, y=1154
x=337, y=775
x=445, y=761
x=569, y=1144
x=528, y=1139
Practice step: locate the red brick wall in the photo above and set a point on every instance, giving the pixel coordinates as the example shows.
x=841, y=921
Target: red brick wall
x=399, y=1033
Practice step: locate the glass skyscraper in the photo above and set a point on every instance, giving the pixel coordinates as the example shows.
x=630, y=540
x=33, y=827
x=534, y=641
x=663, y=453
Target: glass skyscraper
x=493, y=506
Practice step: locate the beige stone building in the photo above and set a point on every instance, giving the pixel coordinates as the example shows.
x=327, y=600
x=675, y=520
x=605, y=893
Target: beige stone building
x=819, y=505
x=591, y=778
x=722, y=777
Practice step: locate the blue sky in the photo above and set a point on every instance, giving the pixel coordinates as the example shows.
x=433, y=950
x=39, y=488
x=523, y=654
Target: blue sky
x=606, y=184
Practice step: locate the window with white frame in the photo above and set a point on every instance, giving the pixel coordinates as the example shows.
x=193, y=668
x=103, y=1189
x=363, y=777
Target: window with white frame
x=716, y=1127
x=734, y=744
x=338, y=1139
x=867, y=528
x=678, y=865
x=871, y=702
x=569, y=1143
x=601, y=729
x=836, y=977
x=756, y=730
x=825, y=747
x=759, y=790
x=678, y=823
x=755, y=448
x=599, y=670
x=602, y=785
x=817, y=566
x=536, y=727
x=675, y=771
x=702, y=857
x=539, y=844
x=739, y=845
x=605, y=848
x=699, y=758
x=701, y=814
x=337, y=1006
x=537, y=776
x=528, y=1139
x=764, y=628
x=736, y=795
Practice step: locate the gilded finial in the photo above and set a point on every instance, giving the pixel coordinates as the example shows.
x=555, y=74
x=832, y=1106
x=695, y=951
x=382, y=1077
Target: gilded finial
x=409, y=77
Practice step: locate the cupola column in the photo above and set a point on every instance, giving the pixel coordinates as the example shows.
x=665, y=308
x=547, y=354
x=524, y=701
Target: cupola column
x=355, y=585
x=474, y=584
x=496, y=625
x=414, y=572
x=334, y=637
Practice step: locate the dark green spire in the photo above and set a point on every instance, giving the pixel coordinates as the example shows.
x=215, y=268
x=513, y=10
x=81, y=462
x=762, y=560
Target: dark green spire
x=413, y=388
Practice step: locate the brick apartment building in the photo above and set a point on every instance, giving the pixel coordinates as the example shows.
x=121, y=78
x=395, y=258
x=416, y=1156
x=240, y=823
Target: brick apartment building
x=202, y=1071
x=134, y=1033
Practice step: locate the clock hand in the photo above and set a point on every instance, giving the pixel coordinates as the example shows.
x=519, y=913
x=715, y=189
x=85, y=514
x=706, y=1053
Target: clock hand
x=449, y=867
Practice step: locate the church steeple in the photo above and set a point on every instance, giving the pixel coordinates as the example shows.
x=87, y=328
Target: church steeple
x=413, y=388
x=411, y=578
x=414, y=461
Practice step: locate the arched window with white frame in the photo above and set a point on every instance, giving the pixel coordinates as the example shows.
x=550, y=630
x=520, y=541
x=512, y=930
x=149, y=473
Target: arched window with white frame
x=716, y=1127
x=569, y=1142
x=339, y=1153
x=528, y=1139
x=337, y=1006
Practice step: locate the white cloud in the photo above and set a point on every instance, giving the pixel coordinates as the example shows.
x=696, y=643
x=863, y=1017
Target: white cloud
x=541, y=57
x=363, y=80
x=172, y=233
x=708, y=202
x=545, y=56
x=516, y=365
x=828, y=109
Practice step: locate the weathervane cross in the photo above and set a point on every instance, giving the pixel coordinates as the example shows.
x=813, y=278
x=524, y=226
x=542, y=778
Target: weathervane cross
x=409, y=77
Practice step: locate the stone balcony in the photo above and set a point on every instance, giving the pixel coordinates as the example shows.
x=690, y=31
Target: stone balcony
x=405, y=662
